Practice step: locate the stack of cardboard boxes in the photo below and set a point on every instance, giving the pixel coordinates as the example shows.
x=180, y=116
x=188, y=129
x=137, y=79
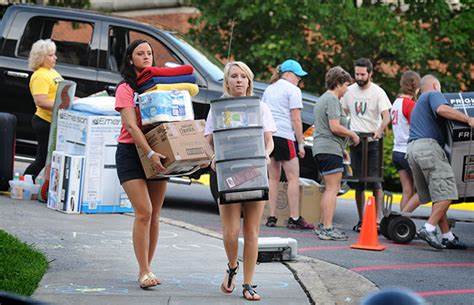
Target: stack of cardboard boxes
x=92, y=138
x=309, y=203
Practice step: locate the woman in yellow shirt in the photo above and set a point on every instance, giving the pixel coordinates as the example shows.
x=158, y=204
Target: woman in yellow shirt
x=43, y=87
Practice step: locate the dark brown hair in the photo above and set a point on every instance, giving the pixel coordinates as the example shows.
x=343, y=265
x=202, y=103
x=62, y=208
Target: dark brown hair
x=364, y=62
x=409, y=83
x=337, y=76
x=128, y=69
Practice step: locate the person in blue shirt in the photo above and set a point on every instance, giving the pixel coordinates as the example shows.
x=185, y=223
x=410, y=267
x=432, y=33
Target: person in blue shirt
x=432, y=172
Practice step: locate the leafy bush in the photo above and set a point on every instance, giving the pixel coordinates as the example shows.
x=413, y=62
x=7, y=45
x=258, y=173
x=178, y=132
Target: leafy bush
x=390, y=174
x=429, y=37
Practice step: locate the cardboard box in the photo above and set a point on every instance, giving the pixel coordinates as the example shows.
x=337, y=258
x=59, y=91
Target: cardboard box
x=64, y=193
x=182, y=143
x=309, y=203
x=94, y=137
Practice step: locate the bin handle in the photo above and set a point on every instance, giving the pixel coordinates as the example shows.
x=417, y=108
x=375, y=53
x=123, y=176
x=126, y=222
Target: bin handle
x=237, y=166
x=235, y=106
x=236, y=136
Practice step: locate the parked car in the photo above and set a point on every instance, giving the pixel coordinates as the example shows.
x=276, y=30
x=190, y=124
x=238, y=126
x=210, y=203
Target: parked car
x=90, y=48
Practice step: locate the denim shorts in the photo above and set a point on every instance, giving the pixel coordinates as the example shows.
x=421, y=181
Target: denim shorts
x=399, y=161
x=329, y=163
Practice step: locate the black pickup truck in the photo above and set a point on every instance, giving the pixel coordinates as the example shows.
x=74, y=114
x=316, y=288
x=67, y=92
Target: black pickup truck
x=90, y=48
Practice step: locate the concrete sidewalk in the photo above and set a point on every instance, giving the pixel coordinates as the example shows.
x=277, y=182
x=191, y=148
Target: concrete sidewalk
x=92, y=261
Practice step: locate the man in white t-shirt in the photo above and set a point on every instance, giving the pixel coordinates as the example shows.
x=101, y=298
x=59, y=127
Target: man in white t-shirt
x=368, y=106
x=284, y=99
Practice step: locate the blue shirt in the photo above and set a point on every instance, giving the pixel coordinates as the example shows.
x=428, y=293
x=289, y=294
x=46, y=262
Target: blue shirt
x=425, y=122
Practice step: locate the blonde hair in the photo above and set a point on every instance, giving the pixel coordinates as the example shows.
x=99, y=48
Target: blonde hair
x=39, y=50
x=276, y=75
x=247, y=72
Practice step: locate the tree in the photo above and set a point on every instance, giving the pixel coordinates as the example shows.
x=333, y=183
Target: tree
x=429, y=37
x=70, y=3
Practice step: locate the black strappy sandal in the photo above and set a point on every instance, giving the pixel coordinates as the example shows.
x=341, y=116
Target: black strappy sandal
x=231, y=272
x=357, y=227
x=250, y=289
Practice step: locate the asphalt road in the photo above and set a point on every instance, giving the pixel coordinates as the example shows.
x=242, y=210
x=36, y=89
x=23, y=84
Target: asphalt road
x=442, y=277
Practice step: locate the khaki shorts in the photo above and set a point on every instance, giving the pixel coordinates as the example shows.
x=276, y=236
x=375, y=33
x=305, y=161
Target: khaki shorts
x=432, y=173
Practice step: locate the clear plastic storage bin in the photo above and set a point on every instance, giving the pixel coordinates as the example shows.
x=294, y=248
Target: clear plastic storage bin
x=239, y=143
x=244, y=176
x=236, y=112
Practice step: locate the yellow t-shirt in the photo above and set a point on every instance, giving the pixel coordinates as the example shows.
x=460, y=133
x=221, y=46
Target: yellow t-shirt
x=45, y=81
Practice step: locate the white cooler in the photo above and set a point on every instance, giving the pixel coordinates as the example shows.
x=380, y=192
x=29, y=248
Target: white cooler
x=272, y=249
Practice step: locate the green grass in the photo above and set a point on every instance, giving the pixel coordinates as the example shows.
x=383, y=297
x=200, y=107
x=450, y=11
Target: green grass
x=21, y=266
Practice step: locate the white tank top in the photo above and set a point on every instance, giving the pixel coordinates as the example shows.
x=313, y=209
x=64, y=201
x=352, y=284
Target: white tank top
x=401, y=108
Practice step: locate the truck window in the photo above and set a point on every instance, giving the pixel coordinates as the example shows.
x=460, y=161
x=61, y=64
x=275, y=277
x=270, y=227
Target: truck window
x=72, y=39
x=120, y=38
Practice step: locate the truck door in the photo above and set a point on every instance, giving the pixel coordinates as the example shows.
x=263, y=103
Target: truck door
x=76, y=49
x=115, y=41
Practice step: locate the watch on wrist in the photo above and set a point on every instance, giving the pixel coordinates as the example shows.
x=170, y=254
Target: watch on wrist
x=150, y=154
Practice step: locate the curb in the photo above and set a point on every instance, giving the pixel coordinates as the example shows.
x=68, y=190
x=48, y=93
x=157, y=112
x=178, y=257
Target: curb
x=324, y=283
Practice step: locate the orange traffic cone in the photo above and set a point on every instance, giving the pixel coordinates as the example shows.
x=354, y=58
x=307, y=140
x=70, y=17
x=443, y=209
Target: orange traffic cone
x=368, y=239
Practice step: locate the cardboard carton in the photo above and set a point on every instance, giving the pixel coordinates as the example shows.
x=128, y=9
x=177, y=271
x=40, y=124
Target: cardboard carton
x=309, y=203
x=95, y=138
x=64, y=192
x=182, y=143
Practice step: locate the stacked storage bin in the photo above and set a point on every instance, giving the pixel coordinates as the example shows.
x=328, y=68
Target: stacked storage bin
x=239, y=146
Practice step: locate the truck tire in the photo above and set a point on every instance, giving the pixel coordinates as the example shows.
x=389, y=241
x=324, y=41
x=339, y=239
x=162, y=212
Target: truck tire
x=7, y=149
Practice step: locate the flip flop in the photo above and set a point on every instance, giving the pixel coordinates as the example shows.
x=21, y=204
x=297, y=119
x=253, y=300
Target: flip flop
x=249, y=292
x=146, y=281
x=229, y=286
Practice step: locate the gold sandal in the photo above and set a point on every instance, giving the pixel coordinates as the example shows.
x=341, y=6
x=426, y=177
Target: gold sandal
x=146, y=279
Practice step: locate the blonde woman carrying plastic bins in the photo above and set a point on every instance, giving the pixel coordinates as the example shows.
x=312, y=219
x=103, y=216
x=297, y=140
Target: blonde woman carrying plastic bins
x=238, y=81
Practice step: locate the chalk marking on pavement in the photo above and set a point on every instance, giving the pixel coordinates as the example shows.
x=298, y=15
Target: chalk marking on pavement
x=322, y=248
x=412, y=266
x=82, y=289
x=445, y=292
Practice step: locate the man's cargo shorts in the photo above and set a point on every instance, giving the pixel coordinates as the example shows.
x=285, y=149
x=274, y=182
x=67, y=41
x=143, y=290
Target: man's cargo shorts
x=432, y=173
